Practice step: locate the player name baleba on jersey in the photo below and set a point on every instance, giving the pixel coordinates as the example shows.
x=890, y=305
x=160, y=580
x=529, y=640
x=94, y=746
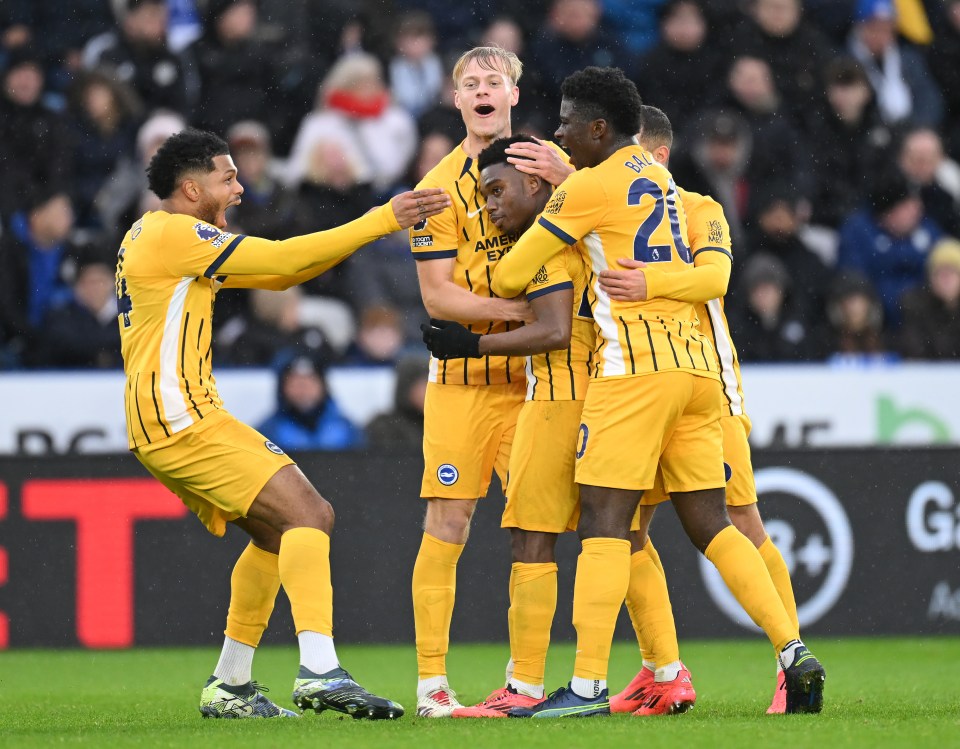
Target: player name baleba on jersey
x=165, y=302
x=627, y=207
x=464, y=231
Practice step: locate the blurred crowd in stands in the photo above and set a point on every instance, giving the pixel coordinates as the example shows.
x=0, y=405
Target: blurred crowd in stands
x=828, y=129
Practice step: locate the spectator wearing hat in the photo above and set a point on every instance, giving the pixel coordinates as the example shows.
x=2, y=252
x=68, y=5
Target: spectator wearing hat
x=905, y=89
x=769, y=326
x=137, y=54
x=923, y=162
x=83, y=332
x=683, y=72
x=715, y=164
x=931, y=313
x=776, y=232
x=35, y=147
x=853, y=332
x=356, y=116
x=889, y=241
x=307, y=416
x=236, y=68
x=852, y=143
x=38, y=263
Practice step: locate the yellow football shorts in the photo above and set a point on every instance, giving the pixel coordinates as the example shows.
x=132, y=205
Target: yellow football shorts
x=541, y=493
x=217, y=467
x=632, y=425
x=741, y=489
x=467, y=434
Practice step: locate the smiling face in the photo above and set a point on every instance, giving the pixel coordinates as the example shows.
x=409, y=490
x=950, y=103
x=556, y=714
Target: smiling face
x=513, y=199
x=484, y=97
x=577, y=134
x=218, y=190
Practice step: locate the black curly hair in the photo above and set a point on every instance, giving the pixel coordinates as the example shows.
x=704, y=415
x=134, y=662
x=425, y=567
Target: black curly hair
x=190, y=150
x=496, y=152
x=605, y=94
x=656, y=129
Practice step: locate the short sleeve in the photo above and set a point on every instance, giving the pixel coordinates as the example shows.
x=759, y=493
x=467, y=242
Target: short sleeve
x=435, y=237
x=576, y=208
x=706, y=225
x=552, y=276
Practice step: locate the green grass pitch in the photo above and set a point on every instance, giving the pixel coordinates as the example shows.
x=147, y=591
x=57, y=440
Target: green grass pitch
x=887, y=692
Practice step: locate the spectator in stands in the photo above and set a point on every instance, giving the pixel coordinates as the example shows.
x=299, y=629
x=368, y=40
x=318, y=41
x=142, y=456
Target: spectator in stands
x=777, y=233
x=267, y=208
x=850, y=141
x=768, y=326
x=922, y=160
x=778, y=146
x=236, y=68
x=402, y=428
x=931, y=314
x=796, y=51
x=354, y=112
x=38, y=262
x=307, y=417
x=944, y=57
x=83, y=332
x=905, y=89
x=380, y=338
x=281, y=323
x=634, y=23
x=854, y=331
x=125, y=196
x=571, y=39
x=103, y=123
x=716, y=163
x=34, y=143
x=889, y=241
x=443, y=116
x=416, y=72
x=137, y=54
x=683, y=72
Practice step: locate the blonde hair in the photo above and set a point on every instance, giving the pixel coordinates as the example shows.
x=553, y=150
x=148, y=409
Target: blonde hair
x=489, y=58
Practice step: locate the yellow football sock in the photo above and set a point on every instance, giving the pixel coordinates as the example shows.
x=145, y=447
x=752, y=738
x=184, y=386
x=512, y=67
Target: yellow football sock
x=648, y=602
x=254, y=585
x=742, y=569
x=781, y=578
x=434, y=589
x=533, y=604
x=305, y=574
x=603, y=574
x=652, y=551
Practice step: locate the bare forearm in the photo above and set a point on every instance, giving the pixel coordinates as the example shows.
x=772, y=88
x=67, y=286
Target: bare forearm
x=535, y=338
x=451, y=302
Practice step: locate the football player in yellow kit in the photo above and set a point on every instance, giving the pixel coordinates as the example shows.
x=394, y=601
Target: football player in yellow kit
x=472, y=404
x=707, y=228
x=170, y=265
x=542, y=498
x=655, y=401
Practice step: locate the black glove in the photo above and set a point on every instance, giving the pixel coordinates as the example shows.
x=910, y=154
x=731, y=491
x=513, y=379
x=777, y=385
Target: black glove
x=450, y=340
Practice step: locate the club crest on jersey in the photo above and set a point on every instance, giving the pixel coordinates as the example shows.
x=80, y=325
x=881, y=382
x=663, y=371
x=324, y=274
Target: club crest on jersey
x=556, y=202
x=273, y=448
x=447, y=474
x=716, y=232
x=205, y=231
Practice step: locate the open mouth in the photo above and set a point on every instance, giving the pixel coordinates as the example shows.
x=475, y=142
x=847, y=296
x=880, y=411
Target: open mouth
x=484, y=109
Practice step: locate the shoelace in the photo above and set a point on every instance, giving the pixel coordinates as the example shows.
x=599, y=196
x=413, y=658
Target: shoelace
x=556, y=694
x=259, y=687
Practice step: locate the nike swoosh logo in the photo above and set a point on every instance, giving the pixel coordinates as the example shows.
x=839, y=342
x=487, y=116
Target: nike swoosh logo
x=474, y=214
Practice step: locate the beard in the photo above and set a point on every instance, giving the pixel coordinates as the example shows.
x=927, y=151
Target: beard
x=209, y=210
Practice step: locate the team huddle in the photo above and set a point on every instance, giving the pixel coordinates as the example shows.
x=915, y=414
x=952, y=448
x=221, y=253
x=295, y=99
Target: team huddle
x=580, y=348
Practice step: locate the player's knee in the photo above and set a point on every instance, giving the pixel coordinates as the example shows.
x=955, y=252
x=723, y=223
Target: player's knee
x=449, y=520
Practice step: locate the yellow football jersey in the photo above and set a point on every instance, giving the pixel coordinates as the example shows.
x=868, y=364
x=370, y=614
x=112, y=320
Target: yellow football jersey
x=464, y=231
x=707, y=230
x=626, y=206
x=563, y=374
x=169, y=269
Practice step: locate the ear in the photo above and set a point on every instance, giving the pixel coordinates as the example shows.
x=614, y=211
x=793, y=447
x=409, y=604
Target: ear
x=190, y=189
x=456, y=98
x=514, y=96
x=598, y=128
x=662, y=154
x=532, y=183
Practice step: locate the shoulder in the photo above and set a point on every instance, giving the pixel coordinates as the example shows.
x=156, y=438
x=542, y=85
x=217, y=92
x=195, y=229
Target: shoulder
x=449, y=170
